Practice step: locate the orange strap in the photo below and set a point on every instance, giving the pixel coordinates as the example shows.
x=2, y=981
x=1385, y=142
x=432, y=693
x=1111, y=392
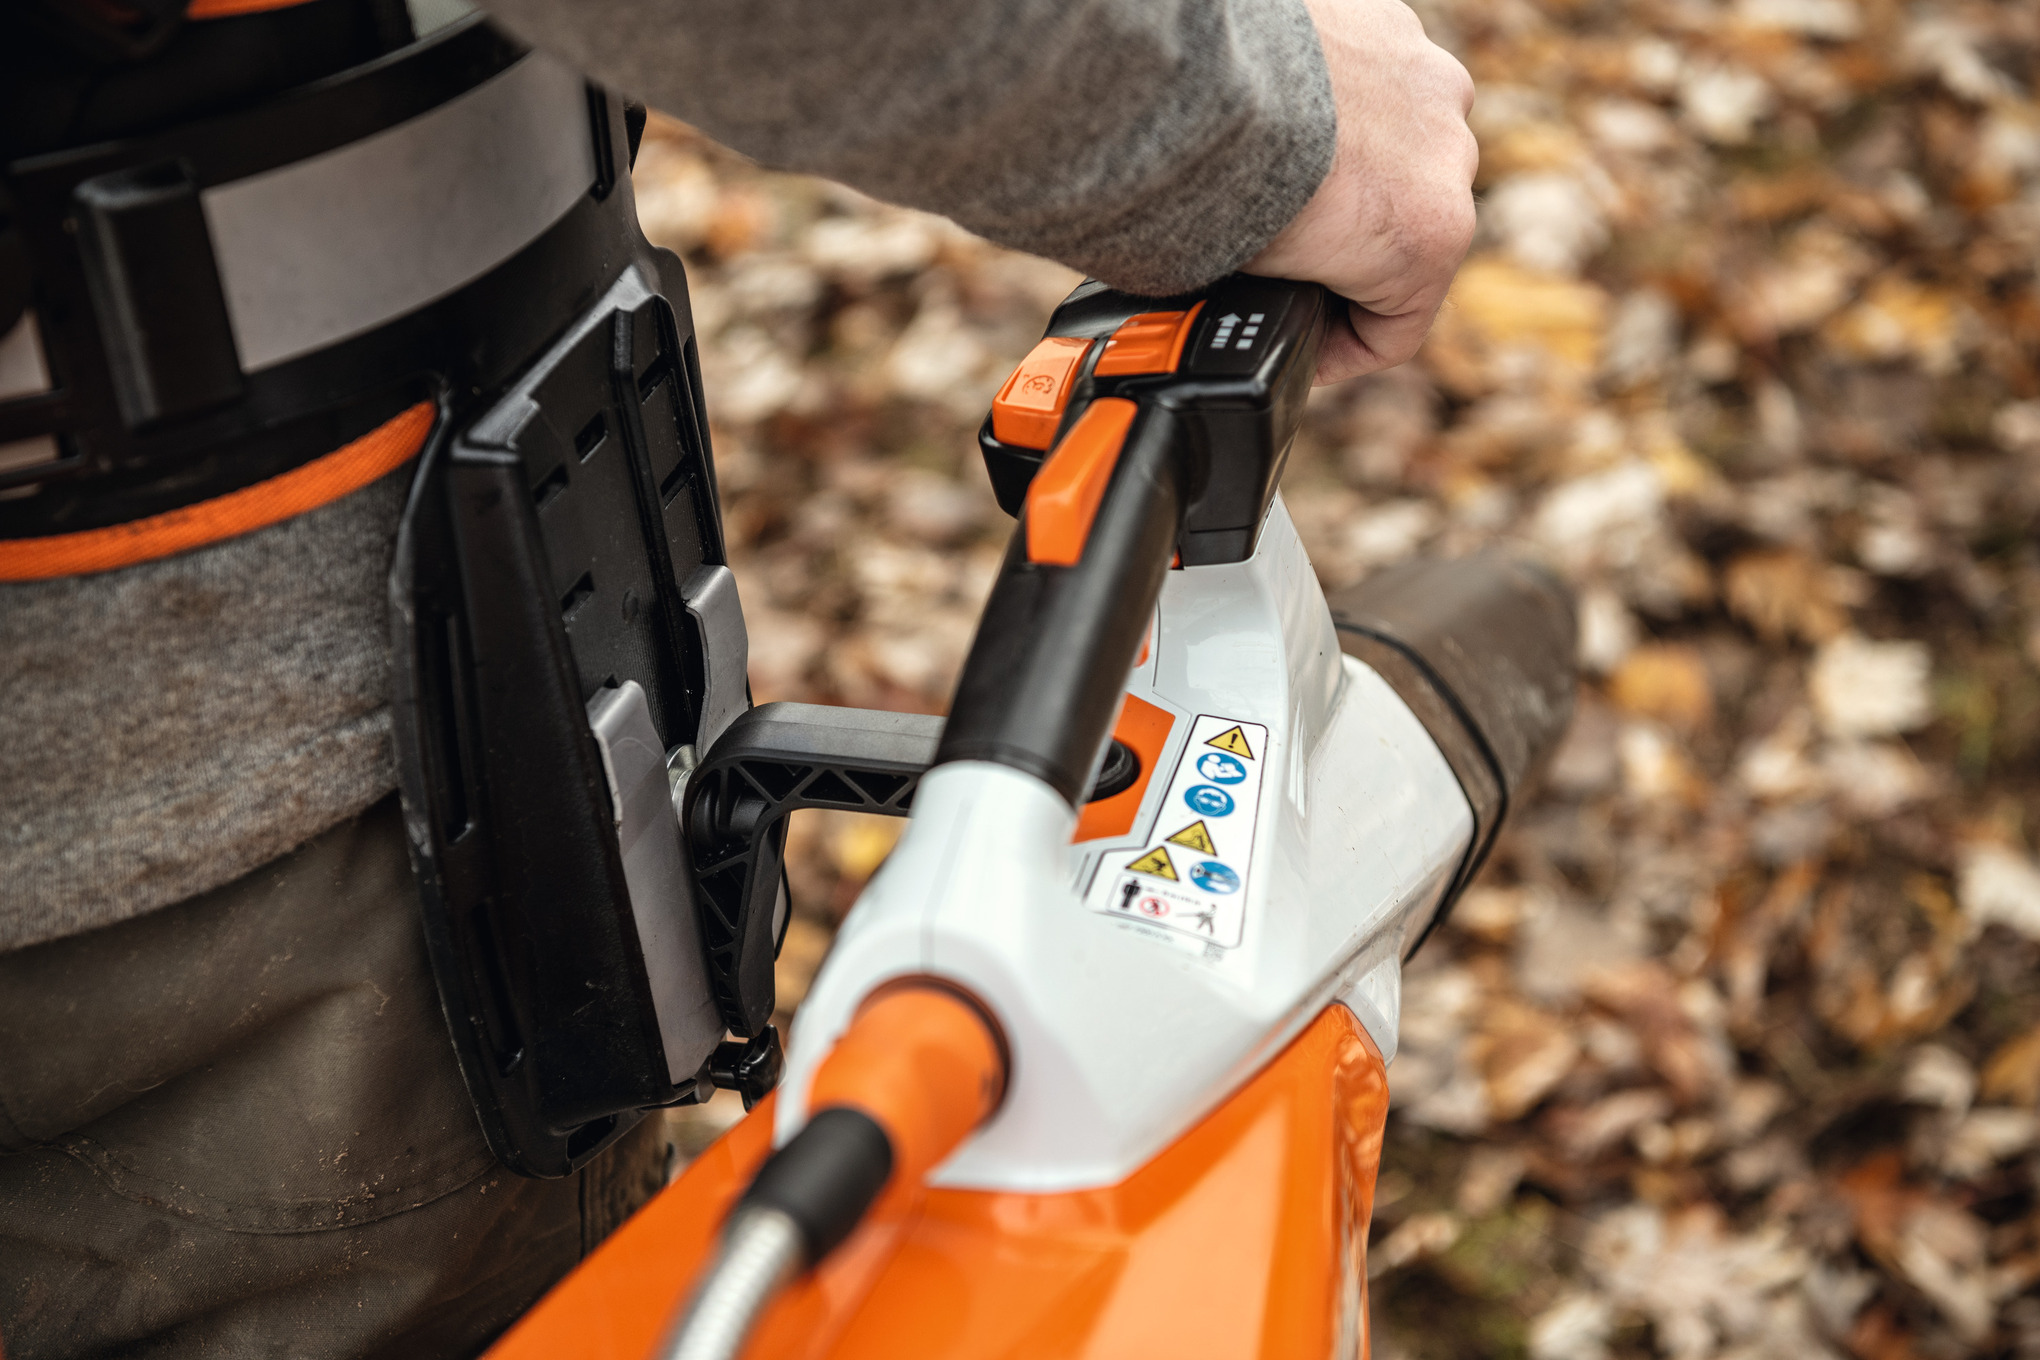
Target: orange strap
x=227, y=9
x=1064, y=496
x=326, y=478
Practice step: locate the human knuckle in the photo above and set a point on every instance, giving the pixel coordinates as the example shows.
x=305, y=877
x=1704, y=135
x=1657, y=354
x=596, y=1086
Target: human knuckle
x=1443, y=66
x=1462, y=86
x=1442, y=231
x=1461, y=221
x=1400, y=349
x=1454, y=70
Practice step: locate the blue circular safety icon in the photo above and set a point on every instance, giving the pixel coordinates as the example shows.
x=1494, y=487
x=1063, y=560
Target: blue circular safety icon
x=1214, y=877
x=1221, y=769
x=1209, y=801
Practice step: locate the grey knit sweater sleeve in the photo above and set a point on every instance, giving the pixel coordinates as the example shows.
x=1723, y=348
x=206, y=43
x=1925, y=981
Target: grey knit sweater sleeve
x=1155, y=144
x=171, y=726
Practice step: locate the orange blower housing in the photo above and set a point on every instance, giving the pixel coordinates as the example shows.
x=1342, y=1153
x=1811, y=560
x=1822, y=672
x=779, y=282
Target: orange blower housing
x=1244, y=1238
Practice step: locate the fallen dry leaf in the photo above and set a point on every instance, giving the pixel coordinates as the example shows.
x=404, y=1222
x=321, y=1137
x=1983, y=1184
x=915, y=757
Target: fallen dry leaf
x=1522, y=1053
x=1667, y=682
x=1784, y=594
x=1862, y=688
x=2013, y=1072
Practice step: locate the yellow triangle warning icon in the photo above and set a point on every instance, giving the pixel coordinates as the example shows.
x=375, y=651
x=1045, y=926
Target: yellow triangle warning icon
x=1196, y=838
x=1155, y=864
x=1234, y=742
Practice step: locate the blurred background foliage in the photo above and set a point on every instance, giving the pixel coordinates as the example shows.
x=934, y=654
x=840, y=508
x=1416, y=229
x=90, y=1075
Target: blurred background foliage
x=1735, y=1051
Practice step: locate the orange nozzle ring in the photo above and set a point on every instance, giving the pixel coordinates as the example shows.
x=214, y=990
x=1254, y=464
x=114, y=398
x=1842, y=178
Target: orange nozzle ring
x=926, y=1062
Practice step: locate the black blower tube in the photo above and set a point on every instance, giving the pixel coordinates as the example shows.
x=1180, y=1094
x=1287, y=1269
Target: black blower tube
x=1482, y=650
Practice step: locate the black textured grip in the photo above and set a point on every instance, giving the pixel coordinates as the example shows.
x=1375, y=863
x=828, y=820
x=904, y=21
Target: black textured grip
x=1046, y=671
x=826, y=1177
x=1194, y=481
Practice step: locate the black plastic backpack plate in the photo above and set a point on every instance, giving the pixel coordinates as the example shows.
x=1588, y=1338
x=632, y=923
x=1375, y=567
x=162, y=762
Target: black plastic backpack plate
x=561, y=557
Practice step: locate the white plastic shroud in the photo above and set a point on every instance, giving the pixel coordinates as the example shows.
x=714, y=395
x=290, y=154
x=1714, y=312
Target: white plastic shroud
x=1329, y=831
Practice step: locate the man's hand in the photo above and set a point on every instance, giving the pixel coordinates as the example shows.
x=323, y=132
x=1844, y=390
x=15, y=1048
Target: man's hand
x=1393, y=219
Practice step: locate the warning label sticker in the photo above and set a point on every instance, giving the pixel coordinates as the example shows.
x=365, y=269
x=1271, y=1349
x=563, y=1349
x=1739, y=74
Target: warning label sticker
x=1191, y=877
x=1155, y=862
x=1235, y=741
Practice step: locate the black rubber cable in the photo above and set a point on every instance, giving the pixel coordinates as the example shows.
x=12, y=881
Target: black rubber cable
x=826, y=1177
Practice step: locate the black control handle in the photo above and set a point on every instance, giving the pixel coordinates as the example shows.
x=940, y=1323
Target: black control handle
x=1209, y=390
x=1218, y=400
x=1041, y=686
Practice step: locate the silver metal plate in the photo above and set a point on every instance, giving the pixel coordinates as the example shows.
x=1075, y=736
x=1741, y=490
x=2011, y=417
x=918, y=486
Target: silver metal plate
x=711, y=595
x=655, y=869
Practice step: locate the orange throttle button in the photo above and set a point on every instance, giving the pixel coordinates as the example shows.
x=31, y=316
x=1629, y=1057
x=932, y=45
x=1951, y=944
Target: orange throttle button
x=1030, y=405
x=1149, y=343
x=1064, y=496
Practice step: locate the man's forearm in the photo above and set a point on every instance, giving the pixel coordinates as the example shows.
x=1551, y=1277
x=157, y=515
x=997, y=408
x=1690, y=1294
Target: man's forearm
x=1155, y=144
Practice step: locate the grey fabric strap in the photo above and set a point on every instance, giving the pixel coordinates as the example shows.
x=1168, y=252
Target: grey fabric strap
x=1155, y=144
x=170, y=726
x=318, y=251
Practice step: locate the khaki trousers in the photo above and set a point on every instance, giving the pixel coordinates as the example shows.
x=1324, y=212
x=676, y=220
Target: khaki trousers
x=235, y=1127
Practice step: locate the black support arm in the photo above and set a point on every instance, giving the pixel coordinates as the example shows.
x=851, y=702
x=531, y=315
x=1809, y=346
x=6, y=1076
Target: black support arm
x=776, y=759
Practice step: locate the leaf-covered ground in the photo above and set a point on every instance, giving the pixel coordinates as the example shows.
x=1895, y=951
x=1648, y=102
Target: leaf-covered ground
x=1736, y=1049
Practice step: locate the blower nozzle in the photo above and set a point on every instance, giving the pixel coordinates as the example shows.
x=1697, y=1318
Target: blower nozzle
x=919, y=1068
